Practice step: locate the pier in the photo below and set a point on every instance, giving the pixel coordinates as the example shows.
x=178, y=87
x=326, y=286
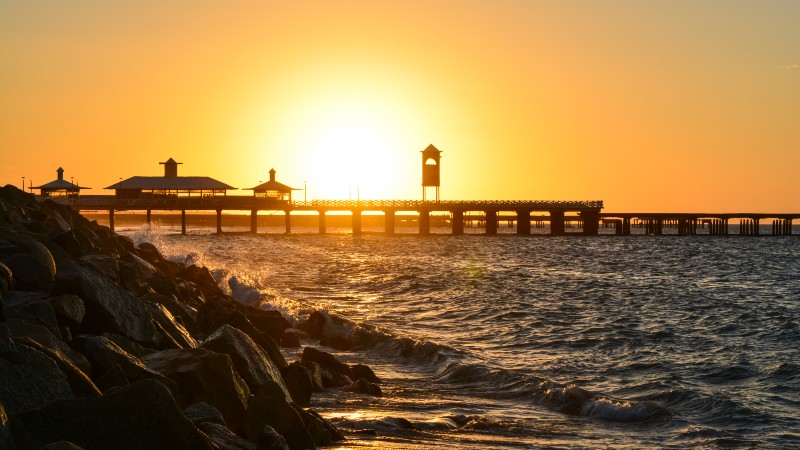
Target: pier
x=565, y=218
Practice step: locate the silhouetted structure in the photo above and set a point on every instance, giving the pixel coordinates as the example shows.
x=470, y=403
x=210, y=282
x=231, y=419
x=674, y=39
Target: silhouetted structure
x=59, y=187
x=431, y=157
x=170, y=185
x=273, y=190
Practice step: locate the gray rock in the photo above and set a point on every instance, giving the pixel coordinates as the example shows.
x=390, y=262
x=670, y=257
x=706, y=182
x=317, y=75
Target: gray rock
x=269, y=439
x=182, y=312
x=269, y=407
x=5, y=434
x=203, y=412
x=29, y=273
x=141, y=415
x=109, y=308
x=104, y=356
x=68, y=309
x=250, y=361
x=105, y=264
x=326, y=361
x=362, y=386
x=32, y=307
x=31, y=380
x=224, y=438
x=363, y=371
x=22, y=329
x=177, y=336
x=79, y=382
x=204, y=376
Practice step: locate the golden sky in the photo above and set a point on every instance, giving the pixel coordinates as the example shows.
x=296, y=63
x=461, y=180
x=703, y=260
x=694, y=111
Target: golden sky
x=649, y=106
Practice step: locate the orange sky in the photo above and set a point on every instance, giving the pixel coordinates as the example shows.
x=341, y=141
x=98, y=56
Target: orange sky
x=649, y=106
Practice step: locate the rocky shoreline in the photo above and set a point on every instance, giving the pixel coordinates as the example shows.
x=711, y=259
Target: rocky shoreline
x=108, y=345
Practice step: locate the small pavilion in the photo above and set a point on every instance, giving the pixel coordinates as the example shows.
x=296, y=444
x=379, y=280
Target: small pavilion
x=59, y=187
x=273, y=190
x=170, y=185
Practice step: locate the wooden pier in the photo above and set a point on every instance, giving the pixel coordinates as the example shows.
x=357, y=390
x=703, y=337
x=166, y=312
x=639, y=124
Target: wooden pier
x=563, y=217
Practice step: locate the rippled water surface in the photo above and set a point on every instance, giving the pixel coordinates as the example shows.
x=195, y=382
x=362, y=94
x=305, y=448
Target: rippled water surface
x=518, y=342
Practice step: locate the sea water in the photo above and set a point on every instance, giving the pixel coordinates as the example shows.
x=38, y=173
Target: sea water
x=539, y=342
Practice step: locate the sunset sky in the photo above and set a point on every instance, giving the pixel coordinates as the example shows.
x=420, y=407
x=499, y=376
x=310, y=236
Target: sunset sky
x=650, y=106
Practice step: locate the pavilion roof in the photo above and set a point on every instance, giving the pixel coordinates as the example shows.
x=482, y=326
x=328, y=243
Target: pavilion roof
x=173, y=183
x=60, y=184
x=273, y=186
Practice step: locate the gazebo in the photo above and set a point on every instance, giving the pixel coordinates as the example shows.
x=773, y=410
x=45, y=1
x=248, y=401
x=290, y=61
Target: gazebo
x=170, y=185
x=273, y=190
x=60, y=187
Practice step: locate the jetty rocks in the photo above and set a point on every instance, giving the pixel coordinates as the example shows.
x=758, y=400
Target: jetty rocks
x=108, y=345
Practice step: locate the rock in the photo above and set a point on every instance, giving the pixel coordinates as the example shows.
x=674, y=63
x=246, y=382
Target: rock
x=269, y=407
x=362, y=371
x=362, y=386
x=248, y=359
x=203, y=412
x=315, y=325
x=322, y=431
x=315, y=371
x=6, y=344
x=22, y=329
x=80, y=384
x=6, y=278
x=298, y=381
x=202, y=278
x=214, y=314
x=68, y=309
x=224, y=438
x=109, y=308
x=31, y=380
x=336, y=341
x=31, y=307
x=68, y=241
x=135, y=269
x=28, y=272
x=270, y=323
x=150, y=253
x=204, y=376
x=177, y=336
x=106, y=356
x=62, y=445
x=334, y=379
x=269, y=439
x=141, y=415
x=131, y=347
x=290, y=340
x=182, y=312
x=112, y=378
x=105, y=264
x=5, y=434
x=326, y=361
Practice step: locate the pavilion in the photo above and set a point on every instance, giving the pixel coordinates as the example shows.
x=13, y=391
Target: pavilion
x=59, y=187
x=273, y=190
x=170, y=185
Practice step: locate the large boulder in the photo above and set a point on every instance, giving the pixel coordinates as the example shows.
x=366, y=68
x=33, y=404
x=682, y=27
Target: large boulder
x=5, y=434
x=6, y=278
x=363, y=371
x=31, y=307
x=141, y=415
x=204, y=376
x=105, y=356
x=175, y=334
x=269, y=439
x=298, y=381
x=322, y=431
x=23, y=329
x=202, y=278
x=252, y=363
x=109, y=308
x=326, y=361
x=269, y=407
x=224, y=438
x=79, y=382
x=31, y=263
x=270, y=323
x=183, y=313
x=68, y=309
x=108, y=265
x=30, y=380
x=203, y=412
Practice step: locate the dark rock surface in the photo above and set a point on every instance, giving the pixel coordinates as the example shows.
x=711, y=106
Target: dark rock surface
x=269, y=407
x=142, y=415
x=326, y=361
x=30, y=380
x=269, y=439
x=362, y=386
x=224, y=438
x=203, y=412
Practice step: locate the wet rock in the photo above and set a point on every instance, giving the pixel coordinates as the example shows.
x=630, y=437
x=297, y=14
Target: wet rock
x=6, y=278
x=5, y=434
x=182, y=312
x=80, y=384
x=315, y=325
x=204, y=376
x=150, y=253
x=31, y=307
x=269, y=439
x=270, y=323
x=135, y=269
x=126, y=344
x=109, y=308
x=68, y=241
x=203, y=412
x=269, y=407
x=105, y=264
x=321, y=430
x=106, y=356
x=363, y=371
x=141, y=415
x=176, y=336
x=337, y=342
x=331, y=379
x=30, y=380
x=315, y=371
x=326, y=361
x=202, y=278
x=22, y=329
x=68, y=309
x=216, y=313
x=252, y=363
x=362, y=386
x=290, y=340
x=299, y=383
x=224, y=438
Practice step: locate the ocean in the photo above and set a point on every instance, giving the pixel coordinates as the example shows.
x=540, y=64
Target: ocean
x=538, y=342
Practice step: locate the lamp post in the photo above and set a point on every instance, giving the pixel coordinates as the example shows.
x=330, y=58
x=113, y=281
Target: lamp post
x=23, y=184
x=305, y=190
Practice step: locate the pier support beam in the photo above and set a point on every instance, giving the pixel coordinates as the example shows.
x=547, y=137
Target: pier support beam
x=556, y=223
x=111, y=219
x=591, y=223
x=356, y=222
x=424, y=222
x=288, y=220
x=149, y=216
x=523, y=223
x=322, y=227
x=491, y=222
x=254, y=221
x=388, y=222
x=626, y=226
x=219, y=221
x=457, y=223
x=183, y=221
